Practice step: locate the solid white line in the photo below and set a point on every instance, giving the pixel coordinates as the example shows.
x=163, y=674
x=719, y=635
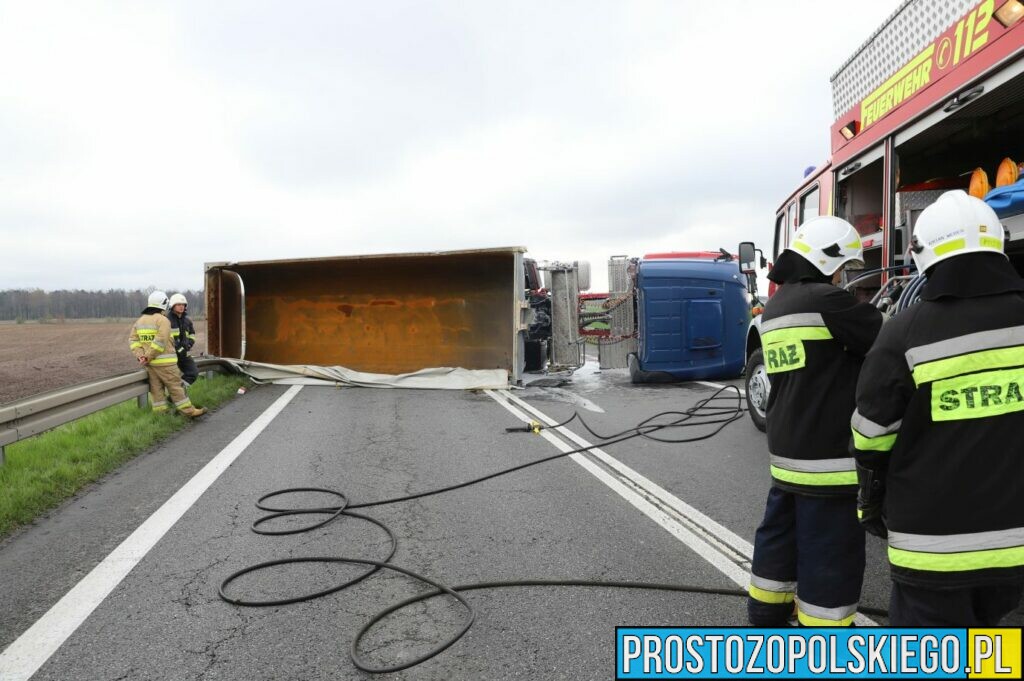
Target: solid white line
x=722, y=534
x=33, y=648
x=743, y=393
x=704, y=534
x=709, y=553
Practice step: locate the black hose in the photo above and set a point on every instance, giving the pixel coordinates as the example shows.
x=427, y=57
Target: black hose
x=698, y=415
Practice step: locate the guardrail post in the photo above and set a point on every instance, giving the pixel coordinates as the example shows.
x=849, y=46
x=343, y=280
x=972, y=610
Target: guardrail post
x=209, y=375
x=143, y=401
x=1, y=455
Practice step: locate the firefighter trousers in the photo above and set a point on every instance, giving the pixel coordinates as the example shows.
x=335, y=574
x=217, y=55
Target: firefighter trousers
x=978, y=606
x=188, y=368
x=808, y=550
x=167, y=378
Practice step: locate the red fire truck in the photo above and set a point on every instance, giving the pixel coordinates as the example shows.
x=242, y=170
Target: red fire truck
x=933, y=94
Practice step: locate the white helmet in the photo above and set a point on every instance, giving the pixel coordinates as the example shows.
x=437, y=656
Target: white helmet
x=954, y=225
x=178, y=299
x=828, y=243
x=157, y=299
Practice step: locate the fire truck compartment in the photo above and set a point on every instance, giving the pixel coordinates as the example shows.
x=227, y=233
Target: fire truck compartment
x=978, y=135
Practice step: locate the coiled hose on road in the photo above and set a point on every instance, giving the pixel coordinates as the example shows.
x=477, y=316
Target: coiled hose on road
x=704, y=414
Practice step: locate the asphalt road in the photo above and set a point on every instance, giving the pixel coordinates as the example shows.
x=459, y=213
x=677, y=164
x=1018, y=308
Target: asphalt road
x=554, y=520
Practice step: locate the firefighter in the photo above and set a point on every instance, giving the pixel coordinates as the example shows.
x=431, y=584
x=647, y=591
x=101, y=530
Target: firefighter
x=940, y=410
x=809, y=549
x=183, y=335
x=150, y=342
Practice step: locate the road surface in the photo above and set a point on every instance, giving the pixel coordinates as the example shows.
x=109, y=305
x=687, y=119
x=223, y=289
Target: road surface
x=637, y=511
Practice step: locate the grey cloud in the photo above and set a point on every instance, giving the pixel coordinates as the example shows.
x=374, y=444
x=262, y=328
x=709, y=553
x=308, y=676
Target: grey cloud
x=322, y=104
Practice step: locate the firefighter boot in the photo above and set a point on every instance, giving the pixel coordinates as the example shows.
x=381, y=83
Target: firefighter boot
x=193, y=412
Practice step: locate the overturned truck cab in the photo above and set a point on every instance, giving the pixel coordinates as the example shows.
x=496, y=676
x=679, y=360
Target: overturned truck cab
x=386, y=314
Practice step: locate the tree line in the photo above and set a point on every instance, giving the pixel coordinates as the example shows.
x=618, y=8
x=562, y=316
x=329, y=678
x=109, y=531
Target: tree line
x=36, y=304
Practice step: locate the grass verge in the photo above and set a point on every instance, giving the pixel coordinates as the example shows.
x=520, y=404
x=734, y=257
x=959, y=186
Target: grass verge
x=44, y=470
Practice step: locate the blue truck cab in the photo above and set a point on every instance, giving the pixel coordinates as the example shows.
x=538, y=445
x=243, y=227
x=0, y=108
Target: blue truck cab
x=692, y=320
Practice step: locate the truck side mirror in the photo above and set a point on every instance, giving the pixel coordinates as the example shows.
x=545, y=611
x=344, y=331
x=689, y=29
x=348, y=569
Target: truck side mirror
x=748, y=257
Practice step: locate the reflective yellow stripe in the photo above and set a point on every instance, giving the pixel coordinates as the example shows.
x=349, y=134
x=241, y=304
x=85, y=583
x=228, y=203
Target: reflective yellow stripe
x=882, y=443
x=957, y=543
x=183, y=405
x=963, y=364
x=801, y=246
x=163, y=361
x=159, y=407
x=992, y=242
x=976, y=396
x=191, y=335
x=773, y=597
x=784, y=356
x=820, y=479
x=860, y=514
x=957, y=562
x=135, y=344
x=797, y=333
x=950, y=246
x=174, y=332
x=809, y=621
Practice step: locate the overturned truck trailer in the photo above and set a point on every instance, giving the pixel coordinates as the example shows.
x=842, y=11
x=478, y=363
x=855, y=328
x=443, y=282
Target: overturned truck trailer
x=386, y=314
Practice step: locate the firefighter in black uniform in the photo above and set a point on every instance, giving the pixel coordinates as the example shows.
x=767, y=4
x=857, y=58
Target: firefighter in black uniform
x=183, y=335
x=809, y=547
x=937, y=431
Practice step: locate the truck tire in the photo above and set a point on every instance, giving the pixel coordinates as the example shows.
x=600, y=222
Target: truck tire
x=758, y=388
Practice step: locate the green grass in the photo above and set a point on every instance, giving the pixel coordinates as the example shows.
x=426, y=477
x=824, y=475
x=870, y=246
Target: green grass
x=44, y=470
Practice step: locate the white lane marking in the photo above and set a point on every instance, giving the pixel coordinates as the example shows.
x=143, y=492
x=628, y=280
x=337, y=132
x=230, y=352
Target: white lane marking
x=743, y=393
x=33, y=648
x=732, y=570
x=709, y=534
x=715, y=533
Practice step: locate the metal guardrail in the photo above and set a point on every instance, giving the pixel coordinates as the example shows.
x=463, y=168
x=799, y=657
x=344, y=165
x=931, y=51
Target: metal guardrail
x=39, y=413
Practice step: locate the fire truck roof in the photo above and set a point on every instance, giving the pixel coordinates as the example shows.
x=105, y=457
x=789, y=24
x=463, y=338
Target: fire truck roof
x=907, y=31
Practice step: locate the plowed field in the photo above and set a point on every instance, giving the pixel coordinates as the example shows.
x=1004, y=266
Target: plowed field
x=35, y=358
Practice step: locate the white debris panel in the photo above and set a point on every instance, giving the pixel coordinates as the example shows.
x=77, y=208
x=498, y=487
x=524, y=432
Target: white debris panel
x=435, y=378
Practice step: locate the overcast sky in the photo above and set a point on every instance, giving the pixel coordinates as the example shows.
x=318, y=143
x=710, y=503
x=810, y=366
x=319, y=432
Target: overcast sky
x=139, y=140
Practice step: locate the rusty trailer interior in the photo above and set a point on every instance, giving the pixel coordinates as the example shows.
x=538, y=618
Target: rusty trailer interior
x=387, y=314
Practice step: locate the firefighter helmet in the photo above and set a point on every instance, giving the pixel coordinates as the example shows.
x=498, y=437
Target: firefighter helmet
x=178, y=299
x=157, y=299
x=956, y=224
x=828, y=243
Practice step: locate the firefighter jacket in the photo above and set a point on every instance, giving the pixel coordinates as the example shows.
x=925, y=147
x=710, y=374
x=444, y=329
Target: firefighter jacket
x=183, y=333
x=814, y=337
x=151, y=338
x=940, y=412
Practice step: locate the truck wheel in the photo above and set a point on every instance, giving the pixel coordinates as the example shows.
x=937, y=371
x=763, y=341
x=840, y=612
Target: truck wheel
x=758, y=387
